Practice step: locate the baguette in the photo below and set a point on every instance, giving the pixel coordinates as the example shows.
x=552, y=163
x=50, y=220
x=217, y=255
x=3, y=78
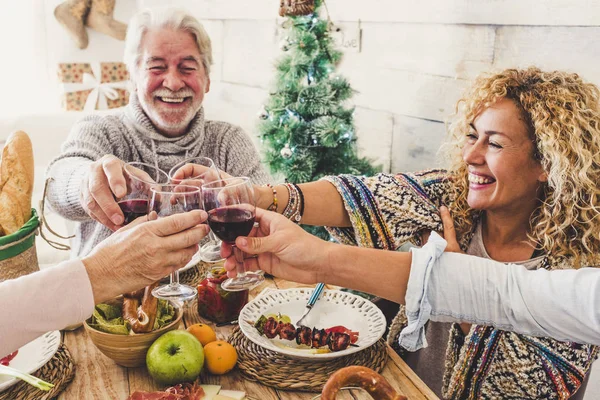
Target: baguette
x=16, y=182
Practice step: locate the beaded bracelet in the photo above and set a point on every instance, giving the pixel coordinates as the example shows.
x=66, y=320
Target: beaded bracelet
x=301, y=199
x=294, y=205
x=273, y=206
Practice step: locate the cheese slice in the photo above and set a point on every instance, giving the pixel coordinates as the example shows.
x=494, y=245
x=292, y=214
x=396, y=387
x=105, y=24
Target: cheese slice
x=234, y=394
x=210, y=391
x=221, y=397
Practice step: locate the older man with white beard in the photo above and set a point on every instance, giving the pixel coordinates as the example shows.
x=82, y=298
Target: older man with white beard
x=168, y=54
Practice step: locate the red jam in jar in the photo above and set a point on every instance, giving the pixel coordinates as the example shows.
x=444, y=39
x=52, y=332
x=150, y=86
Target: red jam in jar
x=216, y=304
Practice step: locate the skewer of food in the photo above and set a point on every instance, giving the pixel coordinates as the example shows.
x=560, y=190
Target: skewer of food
x=336, y=338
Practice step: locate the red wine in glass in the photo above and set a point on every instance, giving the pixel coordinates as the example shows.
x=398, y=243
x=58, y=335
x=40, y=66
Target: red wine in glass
x=230, y=222
x=231, y=206
x=133, y=208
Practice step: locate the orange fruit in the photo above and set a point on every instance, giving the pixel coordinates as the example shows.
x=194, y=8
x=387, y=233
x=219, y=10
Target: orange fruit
x=219, y=357
x=204, y=333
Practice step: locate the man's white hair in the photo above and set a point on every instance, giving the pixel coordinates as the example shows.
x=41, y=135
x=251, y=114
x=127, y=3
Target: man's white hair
x=160, y=18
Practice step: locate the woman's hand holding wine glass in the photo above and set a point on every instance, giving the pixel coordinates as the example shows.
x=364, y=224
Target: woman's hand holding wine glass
x=231, y=208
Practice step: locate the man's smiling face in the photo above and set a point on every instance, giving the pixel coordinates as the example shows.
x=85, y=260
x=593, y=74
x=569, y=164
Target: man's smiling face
x=170, y=80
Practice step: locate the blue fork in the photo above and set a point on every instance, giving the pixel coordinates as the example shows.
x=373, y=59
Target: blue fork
x=311, y=301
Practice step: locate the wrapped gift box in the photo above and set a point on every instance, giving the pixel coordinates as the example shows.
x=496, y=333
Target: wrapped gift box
x=93, y=86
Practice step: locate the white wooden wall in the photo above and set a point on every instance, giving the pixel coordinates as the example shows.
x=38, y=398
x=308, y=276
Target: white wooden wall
x=416, y=58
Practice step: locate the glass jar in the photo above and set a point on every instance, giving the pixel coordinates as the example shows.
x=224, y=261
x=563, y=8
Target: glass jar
x=216, y=304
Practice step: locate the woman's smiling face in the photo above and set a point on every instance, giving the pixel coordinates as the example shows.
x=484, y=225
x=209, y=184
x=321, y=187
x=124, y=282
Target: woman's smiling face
x=503, y=173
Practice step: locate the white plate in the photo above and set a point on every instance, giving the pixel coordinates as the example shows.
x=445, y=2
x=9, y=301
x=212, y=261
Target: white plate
x=333, y=308
x=32, y=356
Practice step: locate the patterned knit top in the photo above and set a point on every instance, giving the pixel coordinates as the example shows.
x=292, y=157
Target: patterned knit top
x=131, y=136
x=389, y=210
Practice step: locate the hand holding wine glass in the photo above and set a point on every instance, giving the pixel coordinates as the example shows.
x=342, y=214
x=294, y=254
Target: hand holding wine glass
x=231, y=208
x=168, y=200
x=140, y=178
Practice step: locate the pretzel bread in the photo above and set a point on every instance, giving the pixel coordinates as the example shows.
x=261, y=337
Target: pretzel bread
x=16, y=183
x=140, y=308
x=377, y=386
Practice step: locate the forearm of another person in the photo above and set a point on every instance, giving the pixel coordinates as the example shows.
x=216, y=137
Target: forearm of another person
x=379, y=272
x=562, y=304
x=43, y=301
x=323, y=205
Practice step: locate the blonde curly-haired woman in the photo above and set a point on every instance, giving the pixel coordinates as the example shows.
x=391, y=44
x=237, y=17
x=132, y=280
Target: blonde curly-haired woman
x=522, y=187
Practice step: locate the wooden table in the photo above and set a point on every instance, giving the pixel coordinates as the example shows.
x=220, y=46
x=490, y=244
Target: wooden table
x=98, y=377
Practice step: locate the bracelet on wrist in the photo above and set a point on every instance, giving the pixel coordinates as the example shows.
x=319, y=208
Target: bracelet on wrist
x=273, y=205
x=294, y=205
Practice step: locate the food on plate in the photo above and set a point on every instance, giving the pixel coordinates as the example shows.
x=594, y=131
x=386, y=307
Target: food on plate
x=175, y=357
x=216, y=304
x=336, y=338
x=220, y=356
x=280, y=317
x=7, y=359
x=16, y=183
x=141, y=312
x=185, y=391
x=376, y=385
x=204, y=333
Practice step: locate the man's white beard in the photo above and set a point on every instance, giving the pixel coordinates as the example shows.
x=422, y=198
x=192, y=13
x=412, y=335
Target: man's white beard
x=157, y=117
x=172, y=125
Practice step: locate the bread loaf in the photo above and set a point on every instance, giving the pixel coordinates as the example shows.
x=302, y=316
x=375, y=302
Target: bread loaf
x=16, y=182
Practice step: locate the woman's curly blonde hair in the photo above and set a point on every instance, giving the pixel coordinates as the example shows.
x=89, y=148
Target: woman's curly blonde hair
x=563, y=113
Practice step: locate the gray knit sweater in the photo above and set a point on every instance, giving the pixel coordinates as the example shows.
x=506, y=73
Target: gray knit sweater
x=130, y=136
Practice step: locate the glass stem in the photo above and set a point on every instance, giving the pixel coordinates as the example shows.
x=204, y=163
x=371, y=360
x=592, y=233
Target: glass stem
x=212, y=239
x=239, y=261
x=175, y=278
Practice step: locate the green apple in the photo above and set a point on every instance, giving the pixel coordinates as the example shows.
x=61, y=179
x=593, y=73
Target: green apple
x=175, y=357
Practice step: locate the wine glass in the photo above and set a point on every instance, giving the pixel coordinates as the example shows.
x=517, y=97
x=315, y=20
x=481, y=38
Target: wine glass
x=231, y=211
x=139, y=179
x=210, y=251
x=168, y=200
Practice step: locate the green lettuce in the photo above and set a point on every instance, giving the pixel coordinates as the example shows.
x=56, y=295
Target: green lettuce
x=164, y=315
x=107, y=318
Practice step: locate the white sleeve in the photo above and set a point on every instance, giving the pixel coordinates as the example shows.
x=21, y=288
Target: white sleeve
x=452, y=287
x=562, y=304
x=47, y=300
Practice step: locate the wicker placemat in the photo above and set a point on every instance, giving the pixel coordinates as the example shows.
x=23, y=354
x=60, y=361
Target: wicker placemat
x=60, y=371
x=277, y=370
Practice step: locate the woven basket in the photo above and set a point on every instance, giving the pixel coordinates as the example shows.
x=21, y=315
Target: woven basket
x=17, y=251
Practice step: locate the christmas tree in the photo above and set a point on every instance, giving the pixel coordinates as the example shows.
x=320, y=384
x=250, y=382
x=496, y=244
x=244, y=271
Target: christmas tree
x=307, y=128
